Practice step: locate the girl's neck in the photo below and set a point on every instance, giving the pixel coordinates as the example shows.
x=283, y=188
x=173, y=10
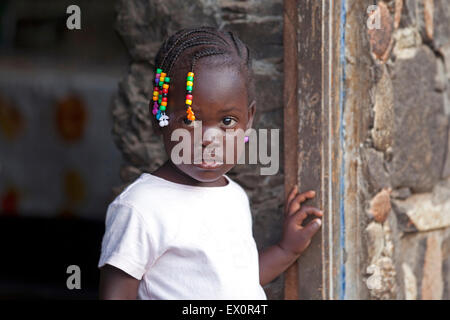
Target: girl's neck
x=170, y=172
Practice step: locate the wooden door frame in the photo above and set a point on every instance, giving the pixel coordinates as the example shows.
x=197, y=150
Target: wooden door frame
x=314, y=95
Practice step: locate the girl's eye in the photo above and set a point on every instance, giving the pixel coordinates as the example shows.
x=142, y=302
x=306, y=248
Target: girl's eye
x=228, y=121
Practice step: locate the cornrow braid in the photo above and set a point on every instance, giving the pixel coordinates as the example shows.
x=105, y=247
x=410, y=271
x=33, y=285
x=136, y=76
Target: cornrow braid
x=186, y=34
x=205, y=53
x=211, y=42
x=185, y=46
x=235, y=43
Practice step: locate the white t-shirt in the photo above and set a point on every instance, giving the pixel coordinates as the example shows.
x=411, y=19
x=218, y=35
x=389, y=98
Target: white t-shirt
x=183, y=242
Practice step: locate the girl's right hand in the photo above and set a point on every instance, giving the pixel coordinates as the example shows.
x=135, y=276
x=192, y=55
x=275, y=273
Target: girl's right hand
x=296, y=238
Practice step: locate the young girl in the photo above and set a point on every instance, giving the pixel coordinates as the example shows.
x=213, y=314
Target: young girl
x=184, y=231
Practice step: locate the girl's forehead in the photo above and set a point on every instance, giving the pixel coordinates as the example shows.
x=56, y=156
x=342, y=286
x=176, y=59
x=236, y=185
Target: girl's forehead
x=214, y=86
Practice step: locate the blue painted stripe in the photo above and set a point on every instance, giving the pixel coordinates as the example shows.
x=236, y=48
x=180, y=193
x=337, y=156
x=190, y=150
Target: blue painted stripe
x=342, y=136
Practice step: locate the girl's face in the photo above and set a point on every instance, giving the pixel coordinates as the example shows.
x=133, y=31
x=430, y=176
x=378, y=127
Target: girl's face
x=221, y=108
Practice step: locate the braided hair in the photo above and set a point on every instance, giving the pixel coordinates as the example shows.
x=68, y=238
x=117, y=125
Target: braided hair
x=192, y=44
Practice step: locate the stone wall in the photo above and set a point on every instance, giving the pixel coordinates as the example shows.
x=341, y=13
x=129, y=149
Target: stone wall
x=143, y=25
x=405, y=181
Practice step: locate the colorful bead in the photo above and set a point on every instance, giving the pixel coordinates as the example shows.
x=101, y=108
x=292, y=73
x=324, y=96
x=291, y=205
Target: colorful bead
x=158, y=70
x=163, y=121
x=167, y=80
x=164, y=99
x=162, y=108
x=190, y=78
x=189, y=97
x=163, y=74
x=189, y=83
x=190, y=114
x=164, y=103
x=189, y=88
x=190, y=74
x=189, y=102
x=158, y=114
x=155, y=98
x=165, y=86
x=165, y=91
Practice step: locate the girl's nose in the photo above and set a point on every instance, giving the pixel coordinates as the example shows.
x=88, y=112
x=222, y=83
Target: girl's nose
x=211, y=135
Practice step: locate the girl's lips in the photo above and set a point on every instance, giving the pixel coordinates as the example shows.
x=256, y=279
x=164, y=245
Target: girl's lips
x=212, y=164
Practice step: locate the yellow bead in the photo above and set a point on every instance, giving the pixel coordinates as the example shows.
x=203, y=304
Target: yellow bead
x=165, y=86
x=189, y=102
x=190, y=74
x=155, y=93
x=189, y=83
x=164, y=103
x=161, y=79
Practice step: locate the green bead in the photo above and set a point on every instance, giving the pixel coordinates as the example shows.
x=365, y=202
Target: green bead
x=162, y=108
x=158, y=70
x=190, y=78
x=189, y=88
x=166, y=79
x=160, y=100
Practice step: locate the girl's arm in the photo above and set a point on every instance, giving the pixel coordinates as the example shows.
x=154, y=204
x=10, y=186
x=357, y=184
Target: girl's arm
x=296, y=238
x=116, y=284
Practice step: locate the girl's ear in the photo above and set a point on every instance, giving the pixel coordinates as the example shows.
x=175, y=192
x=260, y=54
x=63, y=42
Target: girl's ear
x=251, y=114
x=155, y=123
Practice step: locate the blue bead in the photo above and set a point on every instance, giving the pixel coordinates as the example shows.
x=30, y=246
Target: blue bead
x=158, y=115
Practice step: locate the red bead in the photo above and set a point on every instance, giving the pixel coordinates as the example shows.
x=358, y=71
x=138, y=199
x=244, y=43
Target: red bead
x=189, y=97
x=164, y=99
x=165, y=90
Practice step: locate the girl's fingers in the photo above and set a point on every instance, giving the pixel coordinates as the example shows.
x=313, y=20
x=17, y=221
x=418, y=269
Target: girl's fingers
x=304, y=211
x=294, y=205
x=290, y=197
x=311, y=228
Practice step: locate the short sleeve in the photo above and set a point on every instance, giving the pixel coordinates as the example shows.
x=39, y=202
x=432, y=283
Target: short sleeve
x=127, y=243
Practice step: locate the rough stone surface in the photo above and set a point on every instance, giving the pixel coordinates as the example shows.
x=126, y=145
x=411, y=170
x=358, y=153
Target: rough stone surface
x=410, y=282
x=407, y=40
x=430, y=17
x=445, y=247
x=379, y=177
x=446, y=168
x=441, y=23
x=375, y=241
x=432, y=284
x=402, y=193
x=380, y=205
x=382, y=282
x=381, y=37
x=383, y=126
x=427, y=211
x=408, y=150
x=420, y=124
